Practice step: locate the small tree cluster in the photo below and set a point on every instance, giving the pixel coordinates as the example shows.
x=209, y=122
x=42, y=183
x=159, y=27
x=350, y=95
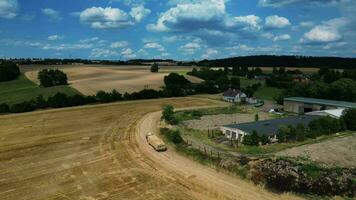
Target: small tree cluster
x=255, y=140
x=9, y=71
x=52, y=77
x=154, y=68
x=168, y=114
x=173, y=136
x=318, y=127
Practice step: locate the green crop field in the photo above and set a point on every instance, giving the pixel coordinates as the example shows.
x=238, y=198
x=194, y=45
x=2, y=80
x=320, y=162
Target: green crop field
x=22, y=89
x=267, y=93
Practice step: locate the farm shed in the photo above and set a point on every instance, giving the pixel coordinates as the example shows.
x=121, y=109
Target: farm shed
x=302, y=105
x=266, y=127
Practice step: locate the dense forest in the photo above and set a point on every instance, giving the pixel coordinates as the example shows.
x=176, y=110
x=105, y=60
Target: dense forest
x=283, y=61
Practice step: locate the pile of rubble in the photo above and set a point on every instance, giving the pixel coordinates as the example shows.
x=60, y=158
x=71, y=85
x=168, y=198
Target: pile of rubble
x=286, y=175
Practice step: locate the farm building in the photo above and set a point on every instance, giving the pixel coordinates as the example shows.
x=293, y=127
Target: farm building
x=233, y=95
x=266, y=127
x=334, y=113
x=302, y=105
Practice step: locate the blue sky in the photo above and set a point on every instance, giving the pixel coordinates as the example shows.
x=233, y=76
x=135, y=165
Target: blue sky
x=177, y=29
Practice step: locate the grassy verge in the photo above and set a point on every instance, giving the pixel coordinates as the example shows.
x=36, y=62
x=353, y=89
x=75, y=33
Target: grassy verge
x=203, y=137
x=213, y=161
x=197, y=114
x=22, y=89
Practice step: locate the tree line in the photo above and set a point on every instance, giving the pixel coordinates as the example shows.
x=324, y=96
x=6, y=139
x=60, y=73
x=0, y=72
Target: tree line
x=282, y=61
x=326, y=84
x=175, y=86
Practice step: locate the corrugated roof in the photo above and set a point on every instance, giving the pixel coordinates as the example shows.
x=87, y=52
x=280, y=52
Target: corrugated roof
x=271, y=127
x=326, y=102
x=335, y=113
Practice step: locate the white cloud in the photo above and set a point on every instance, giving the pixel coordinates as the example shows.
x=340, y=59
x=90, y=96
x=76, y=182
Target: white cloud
x=306, y=24
x=8, y=9
x=105, y=18
x=191, y=16
x=190, y=48
x=128, y=53
x=52, y=14
x=64, y=47
x=250, y=21
x=210, y=54
x=55, y=37
x=282, y=37
x=89, y=40
x=328, y=31
x=103, y=53
x=276, y=21
x=139, y=12
x=154, y=45
x=119, y=44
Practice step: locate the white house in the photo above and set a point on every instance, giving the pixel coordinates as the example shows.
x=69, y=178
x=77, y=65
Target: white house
x=233, y=95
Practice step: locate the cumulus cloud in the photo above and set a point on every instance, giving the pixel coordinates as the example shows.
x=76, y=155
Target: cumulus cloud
x=210, y=54
x=8, y=9
x=276, y=21
x=64, y=47
x=190, y=48
x=55, y=37
x=53, y=15
x=105, y=18
x=103, y=53
x=191, y=16
x=282, y=37
x=128, y=53
x=120, y=44
x=328, y=31
x=249, y=21
x=139, y=12
x=154, y=45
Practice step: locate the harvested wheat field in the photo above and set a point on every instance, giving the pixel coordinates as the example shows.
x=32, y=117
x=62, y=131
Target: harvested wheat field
x=97, y=152
x=338, y=151
x=91, y=79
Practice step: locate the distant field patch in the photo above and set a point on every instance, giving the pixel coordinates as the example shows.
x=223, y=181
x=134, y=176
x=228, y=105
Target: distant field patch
x=267, y=93
x=89, y=80
x=22, y=89
x=339, y=151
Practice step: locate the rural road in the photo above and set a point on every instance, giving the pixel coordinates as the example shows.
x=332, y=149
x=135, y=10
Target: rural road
x=203, y=182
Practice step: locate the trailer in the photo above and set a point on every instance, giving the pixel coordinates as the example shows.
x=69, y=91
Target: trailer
x=155, y=142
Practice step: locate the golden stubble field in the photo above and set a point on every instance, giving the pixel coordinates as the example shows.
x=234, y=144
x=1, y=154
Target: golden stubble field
x=89, y=79
x=82, y=153
x=92, y=153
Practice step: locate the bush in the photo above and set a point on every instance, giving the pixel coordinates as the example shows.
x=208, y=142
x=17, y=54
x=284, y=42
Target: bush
x=252, y=139
x=349, y=118
x=154, y=68
x=168, y=114
x=9, y=71
x=49, y=78
x=173, y=136
x=4, y=108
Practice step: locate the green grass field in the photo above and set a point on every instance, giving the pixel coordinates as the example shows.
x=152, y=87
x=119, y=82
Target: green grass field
x=267, y=93
x=22, y=89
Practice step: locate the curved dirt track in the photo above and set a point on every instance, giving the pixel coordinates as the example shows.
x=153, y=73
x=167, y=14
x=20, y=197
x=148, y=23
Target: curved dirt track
x=96, y=153
x=202, y=180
